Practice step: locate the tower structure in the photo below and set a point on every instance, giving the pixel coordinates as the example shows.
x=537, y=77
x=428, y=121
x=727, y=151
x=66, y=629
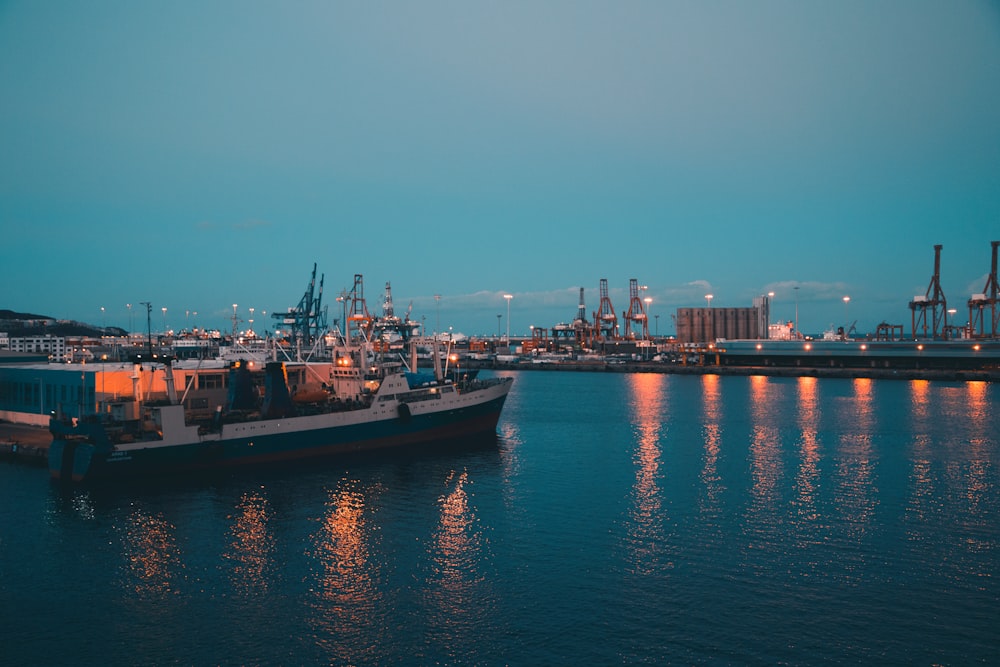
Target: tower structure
x=636, y=312
x=359, y=322
x=985, y=304
x=605, y=320
x=933, y=302
x=308, y=319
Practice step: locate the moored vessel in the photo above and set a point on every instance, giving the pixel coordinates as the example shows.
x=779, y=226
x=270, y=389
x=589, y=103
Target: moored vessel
x=363, y=402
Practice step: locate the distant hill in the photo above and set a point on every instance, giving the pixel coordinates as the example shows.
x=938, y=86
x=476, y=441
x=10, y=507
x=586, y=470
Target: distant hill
x=29, y=324
x=11, y=315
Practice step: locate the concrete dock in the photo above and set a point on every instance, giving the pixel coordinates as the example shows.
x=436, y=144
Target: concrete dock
x=24, y=444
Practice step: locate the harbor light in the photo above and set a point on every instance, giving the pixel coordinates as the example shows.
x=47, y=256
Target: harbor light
x=508, y=297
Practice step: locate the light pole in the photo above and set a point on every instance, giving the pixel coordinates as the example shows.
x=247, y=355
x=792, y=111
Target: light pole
x=499, y=317
x=770, y=298
x=657, y=325
x=437, y=303
x=131, y=324
x=708, y=299
x=649, y=301
x=847, y=319
x=164, y=309
x=508, y=297
x=796, y=288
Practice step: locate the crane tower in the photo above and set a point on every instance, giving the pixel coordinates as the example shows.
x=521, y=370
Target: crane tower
x=985, y=301
x=307, y=320
x=605, y=320
x=933, y=301
x=636, y=311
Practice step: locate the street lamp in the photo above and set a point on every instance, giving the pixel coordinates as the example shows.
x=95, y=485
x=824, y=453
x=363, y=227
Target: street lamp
x=508, y=297
x=499, y=317
x=847, y=320
x=648, y=300
x=708, y=299
x=796, y=288
x=164, y=309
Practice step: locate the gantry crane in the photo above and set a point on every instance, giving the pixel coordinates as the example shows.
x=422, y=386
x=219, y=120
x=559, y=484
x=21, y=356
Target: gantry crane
x=307, y=321
x=933, y=301
x=605, y=320
x=986, y=302
x=636, y=311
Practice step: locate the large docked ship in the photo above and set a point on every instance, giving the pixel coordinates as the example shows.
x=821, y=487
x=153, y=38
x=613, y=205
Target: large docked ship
x=362, y=403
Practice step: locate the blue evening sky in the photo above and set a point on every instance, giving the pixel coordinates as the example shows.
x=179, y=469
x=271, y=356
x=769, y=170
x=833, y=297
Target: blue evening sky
x=200, y=154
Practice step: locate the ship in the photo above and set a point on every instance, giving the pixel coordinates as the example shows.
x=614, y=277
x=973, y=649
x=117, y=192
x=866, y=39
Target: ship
x=363, y=403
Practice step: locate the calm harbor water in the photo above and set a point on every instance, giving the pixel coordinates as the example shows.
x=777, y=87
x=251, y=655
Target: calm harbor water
x=616, y=519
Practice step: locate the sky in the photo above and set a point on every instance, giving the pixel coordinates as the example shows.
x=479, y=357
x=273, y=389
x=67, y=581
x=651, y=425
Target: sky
x=196, y=154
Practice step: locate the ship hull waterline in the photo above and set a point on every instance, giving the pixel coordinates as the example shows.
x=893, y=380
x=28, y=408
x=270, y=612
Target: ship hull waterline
x=83, y=462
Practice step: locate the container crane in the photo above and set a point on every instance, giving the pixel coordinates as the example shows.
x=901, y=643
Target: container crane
x=636, y=311
x=605, y=320
x=985, y=301
x=934, y=301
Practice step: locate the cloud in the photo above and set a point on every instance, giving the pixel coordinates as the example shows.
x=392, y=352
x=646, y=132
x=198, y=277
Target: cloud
x=211, y=225
x=250, y=224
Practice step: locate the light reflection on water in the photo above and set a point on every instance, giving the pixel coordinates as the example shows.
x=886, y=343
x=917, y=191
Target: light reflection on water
x=647, y=516
x=857, y=492
x=711, y=481
x=458, y=600
x=150, y=554
x=251, y=547
x=764, y=519
x=347, y=609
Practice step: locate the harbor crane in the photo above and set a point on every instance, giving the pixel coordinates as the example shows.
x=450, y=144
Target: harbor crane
x=605, y=320
x=307, y=321
x=985, y=304
x=932, y=301
x=636, y=311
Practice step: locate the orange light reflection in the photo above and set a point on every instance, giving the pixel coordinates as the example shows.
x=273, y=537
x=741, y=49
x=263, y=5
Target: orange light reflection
x=349, y=599
x=856, y=487
x=455, y=585
x=765, y=464
x=919, y=391
x=712, y=431
x=646, y=537
x=151, y=554
x=251, y=548
x=807, y=479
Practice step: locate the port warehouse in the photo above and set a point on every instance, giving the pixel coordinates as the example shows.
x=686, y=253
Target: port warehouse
x=31, y=391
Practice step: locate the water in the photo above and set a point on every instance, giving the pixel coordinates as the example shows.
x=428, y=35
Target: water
x=616, y=519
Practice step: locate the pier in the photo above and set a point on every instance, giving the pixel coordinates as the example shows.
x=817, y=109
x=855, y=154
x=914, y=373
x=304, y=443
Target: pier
x=24, y=444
